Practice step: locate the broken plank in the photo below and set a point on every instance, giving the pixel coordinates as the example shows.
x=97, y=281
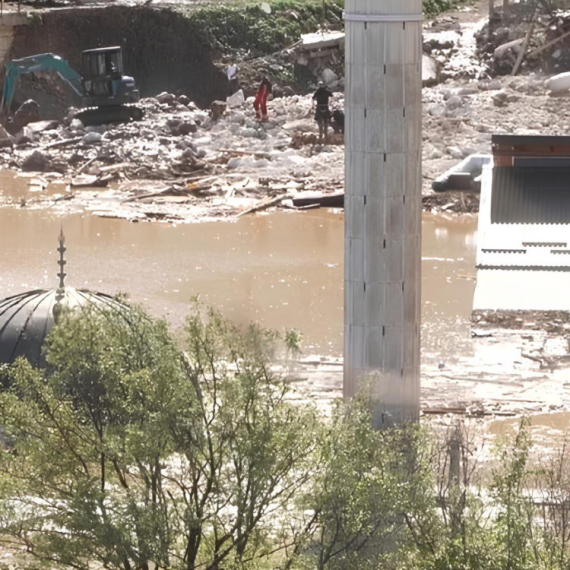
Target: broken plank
x=63, y=142
x=264, y=204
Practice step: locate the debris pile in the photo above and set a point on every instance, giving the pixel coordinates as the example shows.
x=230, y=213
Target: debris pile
x=526, y=36
x=223, y=156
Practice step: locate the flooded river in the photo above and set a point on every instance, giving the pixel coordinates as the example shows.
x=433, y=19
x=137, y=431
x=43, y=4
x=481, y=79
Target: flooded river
x=283, y=270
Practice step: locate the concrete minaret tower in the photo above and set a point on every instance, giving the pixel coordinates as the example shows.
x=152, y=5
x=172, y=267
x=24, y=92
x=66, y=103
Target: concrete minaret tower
x=383, y=204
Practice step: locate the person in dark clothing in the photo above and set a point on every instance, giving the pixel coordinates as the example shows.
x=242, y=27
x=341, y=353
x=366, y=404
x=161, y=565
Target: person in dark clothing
x=260, y=103
x=338, y=121
x=323, y=113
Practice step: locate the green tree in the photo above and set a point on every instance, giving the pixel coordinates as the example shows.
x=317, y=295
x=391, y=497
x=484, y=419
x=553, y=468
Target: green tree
x=128, y=451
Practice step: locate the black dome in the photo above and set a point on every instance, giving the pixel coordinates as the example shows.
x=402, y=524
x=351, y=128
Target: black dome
x=26, y=319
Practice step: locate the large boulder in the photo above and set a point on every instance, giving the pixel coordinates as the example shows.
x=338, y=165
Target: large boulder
x=431, y=71
x=329, y=77
x=236, y=100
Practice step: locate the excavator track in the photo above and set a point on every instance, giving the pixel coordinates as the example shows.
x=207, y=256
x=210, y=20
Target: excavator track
x=110, y=114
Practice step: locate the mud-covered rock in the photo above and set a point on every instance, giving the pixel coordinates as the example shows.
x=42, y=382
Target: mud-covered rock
x=217, y=109
x=37, y=161
x=166, y=98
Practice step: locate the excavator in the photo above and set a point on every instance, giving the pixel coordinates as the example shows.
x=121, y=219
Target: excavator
x=103, y=87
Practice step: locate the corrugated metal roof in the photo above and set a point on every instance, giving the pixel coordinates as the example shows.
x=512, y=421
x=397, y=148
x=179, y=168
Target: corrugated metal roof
x=530, y=195
x=523, y=242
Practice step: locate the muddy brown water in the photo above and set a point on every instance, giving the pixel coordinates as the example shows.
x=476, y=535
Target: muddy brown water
x=282, y=270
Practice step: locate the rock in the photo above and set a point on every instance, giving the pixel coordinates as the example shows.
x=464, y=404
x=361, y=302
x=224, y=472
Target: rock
x=500, y=98
x=76, y=124
x=189, y=154
x=187, y=127
x=288, y=91
x=431, y=71
x=42, y=126
x=236, y=100
x=454, y=152
x=471, y=89
x=217, y=109
x=501, y=35
x=503, y=51
x=24, y=136
x=454, y=102
x=37, y=161
x=237, y=117
x=165, y=98
x=436, y=110
x=468, y=151
x=28, y=112
x=434, y=154
x=559, y=83
x=184, y=99
x=234, y=162
x=6, y=139
x=92, y=138
x=96, y=129
x=329, y=76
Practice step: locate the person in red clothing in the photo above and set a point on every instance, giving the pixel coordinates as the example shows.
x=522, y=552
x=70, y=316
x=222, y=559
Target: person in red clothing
x=260, y=103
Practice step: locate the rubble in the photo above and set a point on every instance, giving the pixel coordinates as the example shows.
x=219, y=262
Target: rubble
x=28, y=112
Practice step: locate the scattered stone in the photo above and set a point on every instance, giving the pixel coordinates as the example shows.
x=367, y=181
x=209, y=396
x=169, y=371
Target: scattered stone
x=187, y=127
x=76, y=125
x=42, y=126
x=165, y=98
x=454, y=102
x=36, y=162
x=217, y=109
x=471, y=89
x=92, y=138
x=500, y=98
x=184, y=100
x=454, y=152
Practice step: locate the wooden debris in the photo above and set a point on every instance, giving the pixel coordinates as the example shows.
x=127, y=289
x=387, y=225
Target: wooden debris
x=549, y=44
x=524, y=47
x=88, y=163
x=259, y=153
x=93, y=182
x=263, y=205
x=63, y=142
x=170, y=191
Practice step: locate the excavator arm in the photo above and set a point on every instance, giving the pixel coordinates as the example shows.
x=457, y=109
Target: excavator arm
x=34, y=63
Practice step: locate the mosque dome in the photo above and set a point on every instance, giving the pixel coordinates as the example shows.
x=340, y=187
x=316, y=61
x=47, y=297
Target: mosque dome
x=26, y=319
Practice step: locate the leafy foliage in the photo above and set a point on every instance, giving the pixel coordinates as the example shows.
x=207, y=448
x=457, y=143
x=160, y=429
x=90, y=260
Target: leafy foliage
x=130, y=450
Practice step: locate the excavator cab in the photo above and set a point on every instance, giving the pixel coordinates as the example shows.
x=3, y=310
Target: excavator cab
x=103, y=79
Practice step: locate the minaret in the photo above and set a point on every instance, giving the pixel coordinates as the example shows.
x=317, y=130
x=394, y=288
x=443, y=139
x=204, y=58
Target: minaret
x=60, y=294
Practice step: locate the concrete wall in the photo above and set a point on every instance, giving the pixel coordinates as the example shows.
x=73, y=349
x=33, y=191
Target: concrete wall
x=383, y=204
x=9, y=21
